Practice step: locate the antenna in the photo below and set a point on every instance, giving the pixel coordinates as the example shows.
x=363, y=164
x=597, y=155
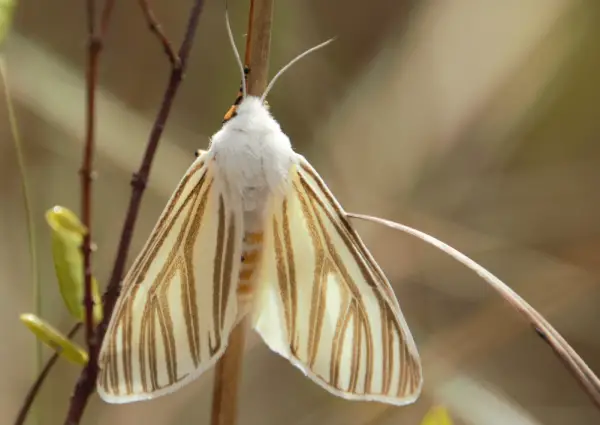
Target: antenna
x=235, y=50
x=292, y=62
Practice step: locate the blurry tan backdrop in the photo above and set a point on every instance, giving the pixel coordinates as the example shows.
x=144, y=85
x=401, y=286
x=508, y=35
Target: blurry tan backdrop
x=474, y=120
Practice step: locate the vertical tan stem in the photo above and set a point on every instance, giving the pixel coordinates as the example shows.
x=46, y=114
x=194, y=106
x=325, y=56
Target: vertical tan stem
x=229, y=369
x=227, y=376
x=260, y=46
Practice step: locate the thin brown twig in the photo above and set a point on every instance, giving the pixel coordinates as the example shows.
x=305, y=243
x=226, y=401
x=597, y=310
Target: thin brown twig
x=156, y=29
x=93, y=54
x=229, y=368
x=574, y=363
x=87, y=380
x=37, y=385
x=105, y=18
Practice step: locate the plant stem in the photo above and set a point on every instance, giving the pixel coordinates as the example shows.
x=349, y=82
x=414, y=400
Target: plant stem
x=94, y=49
x=87, y=380
x=93, y=54
x=543, y=328
x=27, y=204
x=227, y=376
x=260, y=45
x=105, y=18
x=156, y=29
x=229, y=368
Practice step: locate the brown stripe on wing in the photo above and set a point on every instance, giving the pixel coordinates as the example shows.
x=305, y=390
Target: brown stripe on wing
x=166, y=322
x=315, y=321
x=227, y=275
x=126, y=346
x=282, y=279
x=387, y=352
x=113, y=367
x=218, y=278
x=356, y=349
x=292, y=285
x=150, y=332
x=317, y=314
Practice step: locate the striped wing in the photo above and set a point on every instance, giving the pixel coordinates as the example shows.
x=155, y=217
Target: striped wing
x=326, y=305
x=178, y=302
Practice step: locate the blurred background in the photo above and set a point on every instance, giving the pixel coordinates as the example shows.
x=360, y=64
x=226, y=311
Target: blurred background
x=474, y=120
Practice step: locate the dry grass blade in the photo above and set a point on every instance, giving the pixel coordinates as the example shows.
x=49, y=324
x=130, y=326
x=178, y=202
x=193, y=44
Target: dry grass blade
x=27, y=204
x=559, y=345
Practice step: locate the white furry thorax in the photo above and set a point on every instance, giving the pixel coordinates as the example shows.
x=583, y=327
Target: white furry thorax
x=253, y=155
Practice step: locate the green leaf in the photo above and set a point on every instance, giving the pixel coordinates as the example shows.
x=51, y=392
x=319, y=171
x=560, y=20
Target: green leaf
x=437, y=415
x=7, y=11
x=55, y=339
x=67, y=237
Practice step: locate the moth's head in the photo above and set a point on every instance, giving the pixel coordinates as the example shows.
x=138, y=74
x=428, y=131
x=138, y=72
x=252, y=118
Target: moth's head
x=252, y=106
x=251, y=113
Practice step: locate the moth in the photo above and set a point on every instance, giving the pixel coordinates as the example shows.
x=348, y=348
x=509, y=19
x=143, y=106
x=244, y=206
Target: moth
x=253, y=230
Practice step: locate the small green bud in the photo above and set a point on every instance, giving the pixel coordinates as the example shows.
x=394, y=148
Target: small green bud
x=67, y=237
x=55, y=339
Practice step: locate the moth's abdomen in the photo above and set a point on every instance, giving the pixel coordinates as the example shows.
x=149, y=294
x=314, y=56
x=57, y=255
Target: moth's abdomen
x=251, y=253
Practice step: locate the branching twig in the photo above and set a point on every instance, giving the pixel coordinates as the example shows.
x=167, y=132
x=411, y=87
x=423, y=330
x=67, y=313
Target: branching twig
x=229, y=367
x=156, y=29
x=559, y=345
x=37, y=385
x=87, y=380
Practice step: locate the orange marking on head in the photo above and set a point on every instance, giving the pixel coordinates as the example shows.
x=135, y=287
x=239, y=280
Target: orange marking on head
x=230, y=113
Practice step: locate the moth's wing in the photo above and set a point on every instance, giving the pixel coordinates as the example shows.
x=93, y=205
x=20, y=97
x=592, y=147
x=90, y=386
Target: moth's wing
x=325, y=304
x=178, y=302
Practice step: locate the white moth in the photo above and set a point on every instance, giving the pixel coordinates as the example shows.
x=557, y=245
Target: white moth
x=253, y=229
